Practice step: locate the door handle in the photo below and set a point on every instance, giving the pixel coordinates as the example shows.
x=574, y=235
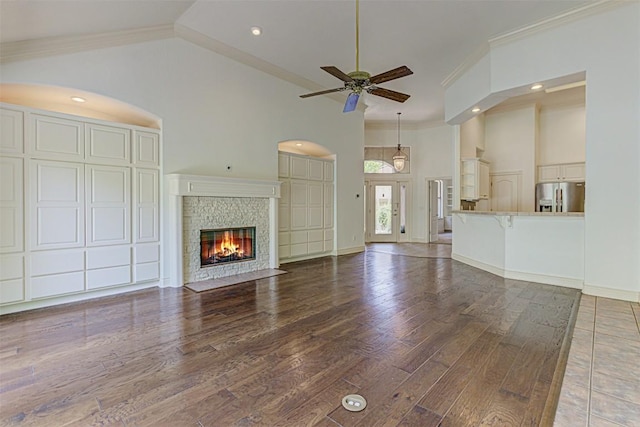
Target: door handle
x=560, y=200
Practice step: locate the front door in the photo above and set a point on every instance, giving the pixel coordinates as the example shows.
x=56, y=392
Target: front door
x=387, y=211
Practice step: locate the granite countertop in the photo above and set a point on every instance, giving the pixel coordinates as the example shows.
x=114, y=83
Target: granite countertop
x=573, y=214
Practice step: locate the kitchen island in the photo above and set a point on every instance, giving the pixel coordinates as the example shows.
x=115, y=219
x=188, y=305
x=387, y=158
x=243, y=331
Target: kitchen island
x=543, y=247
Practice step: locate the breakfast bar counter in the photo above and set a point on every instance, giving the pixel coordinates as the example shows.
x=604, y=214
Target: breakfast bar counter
x=543, y=247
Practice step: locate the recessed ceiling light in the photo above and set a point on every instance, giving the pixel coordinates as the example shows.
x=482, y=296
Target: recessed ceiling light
x=78, y=99
x=536, y=86
x=475, y=110
x=298, y=144
x=256, y=31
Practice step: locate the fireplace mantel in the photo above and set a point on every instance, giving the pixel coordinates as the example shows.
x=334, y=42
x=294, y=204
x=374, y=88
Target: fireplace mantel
x=215, y=186
x=180, y=185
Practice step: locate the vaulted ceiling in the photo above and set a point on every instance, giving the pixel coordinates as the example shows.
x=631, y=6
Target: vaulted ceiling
x=431, y=37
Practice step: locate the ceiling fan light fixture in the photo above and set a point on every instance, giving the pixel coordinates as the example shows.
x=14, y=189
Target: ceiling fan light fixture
x=352, y=102
x=399, y=158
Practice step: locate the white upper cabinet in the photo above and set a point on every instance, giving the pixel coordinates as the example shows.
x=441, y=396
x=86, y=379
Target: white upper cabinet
x=57, y=205
x=284, y=207
x=108, y=144
x=315, y=206
x=561, y=172
x=328, y=205
x=147, y=206
x=283, y=165
x=11, y=205
x=299, y=205
x=475, y=184
x=57, y=138
x=299, y=167
x=328, y=171
x=146, y=149
x=11, y=131
x=108, y=205
x=316, y=169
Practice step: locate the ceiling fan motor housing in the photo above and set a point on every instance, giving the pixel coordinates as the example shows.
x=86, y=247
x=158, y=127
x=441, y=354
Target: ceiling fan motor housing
x=359, y=75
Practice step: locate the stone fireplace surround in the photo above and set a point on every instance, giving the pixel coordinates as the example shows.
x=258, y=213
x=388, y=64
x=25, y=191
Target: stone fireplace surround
x=209, y=197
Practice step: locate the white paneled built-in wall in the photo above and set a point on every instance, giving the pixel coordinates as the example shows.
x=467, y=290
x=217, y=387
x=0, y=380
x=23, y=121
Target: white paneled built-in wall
x=306, y=207
x=79, y=207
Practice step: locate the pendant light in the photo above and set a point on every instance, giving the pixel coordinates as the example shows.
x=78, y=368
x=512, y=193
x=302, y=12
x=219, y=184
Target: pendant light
x=399, y=158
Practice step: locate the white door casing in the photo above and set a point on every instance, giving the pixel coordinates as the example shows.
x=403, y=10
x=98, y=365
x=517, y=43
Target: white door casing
x=433, y=211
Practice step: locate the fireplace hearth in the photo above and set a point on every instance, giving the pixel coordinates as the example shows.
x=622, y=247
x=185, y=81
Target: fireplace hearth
x=227, y=245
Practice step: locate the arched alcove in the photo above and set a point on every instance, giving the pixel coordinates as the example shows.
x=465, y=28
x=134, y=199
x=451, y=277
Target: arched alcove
x=306, y=148
x=91, y=105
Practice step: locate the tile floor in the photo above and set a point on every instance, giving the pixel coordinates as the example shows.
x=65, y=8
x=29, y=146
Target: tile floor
x=601, y=385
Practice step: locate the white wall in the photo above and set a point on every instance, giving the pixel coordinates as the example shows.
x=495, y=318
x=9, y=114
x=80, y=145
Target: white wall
x=472, y=136
x=215, y=112
x=431, y=157
x=561, y=135
x=607, y=47
x=510, y=144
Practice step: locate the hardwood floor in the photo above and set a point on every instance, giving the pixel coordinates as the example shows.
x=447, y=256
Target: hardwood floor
x=427, y=341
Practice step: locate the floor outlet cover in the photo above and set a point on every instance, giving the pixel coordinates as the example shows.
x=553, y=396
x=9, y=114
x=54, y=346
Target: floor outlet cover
x=354, y=402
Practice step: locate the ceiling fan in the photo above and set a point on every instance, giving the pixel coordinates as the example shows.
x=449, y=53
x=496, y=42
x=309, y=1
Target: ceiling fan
x=358, y=81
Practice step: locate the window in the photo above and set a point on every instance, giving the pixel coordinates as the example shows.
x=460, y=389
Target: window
x=377, y=166
x=440, y=186
x=380, y=160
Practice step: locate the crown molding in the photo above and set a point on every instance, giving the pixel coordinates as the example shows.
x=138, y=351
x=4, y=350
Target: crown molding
x=576, y=14
x=36, y=48
x=466, y=65
x=573, y=15
x=206, y=42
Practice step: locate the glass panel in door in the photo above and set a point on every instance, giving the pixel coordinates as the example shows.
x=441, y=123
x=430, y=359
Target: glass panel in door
x=384, y=213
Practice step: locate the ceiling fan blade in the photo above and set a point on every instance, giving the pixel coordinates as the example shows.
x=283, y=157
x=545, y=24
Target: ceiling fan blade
x=337, y=73
x=322, y=92
x=389, y=94
x=396, y=73
x=352, y=102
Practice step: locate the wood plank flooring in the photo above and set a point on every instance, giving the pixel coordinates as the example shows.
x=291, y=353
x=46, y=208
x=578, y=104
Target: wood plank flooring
x=427, y=341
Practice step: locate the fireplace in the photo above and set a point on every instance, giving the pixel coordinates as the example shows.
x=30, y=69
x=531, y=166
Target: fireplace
x=225, y=245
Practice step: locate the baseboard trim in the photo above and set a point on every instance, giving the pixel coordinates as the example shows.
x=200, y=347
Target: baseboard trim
x=478, y=264
x=621, y=294
x=353, y=250
x=566, y=282
x=49, y=302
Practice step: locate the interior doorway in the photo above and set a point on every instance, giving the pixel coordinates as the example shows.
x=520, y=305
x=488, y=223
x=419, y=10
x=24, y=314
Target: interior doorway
x=387, y=211
x=439, y=206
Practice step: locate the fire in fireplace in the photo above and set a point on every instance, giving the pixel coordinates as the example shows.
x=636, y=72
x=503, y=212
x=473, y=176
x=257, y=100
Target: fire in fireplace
x=227, y=245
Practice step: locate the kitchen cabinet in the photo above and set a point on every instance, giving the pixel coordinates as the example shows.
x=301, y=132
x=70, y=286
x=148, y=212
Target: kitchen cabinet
x=561, y=172
x=475, y=183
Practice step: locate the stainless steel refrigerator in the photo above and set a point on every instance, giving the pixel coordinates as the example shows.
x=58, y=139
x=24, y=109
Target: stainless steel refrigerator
x=560, y=197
